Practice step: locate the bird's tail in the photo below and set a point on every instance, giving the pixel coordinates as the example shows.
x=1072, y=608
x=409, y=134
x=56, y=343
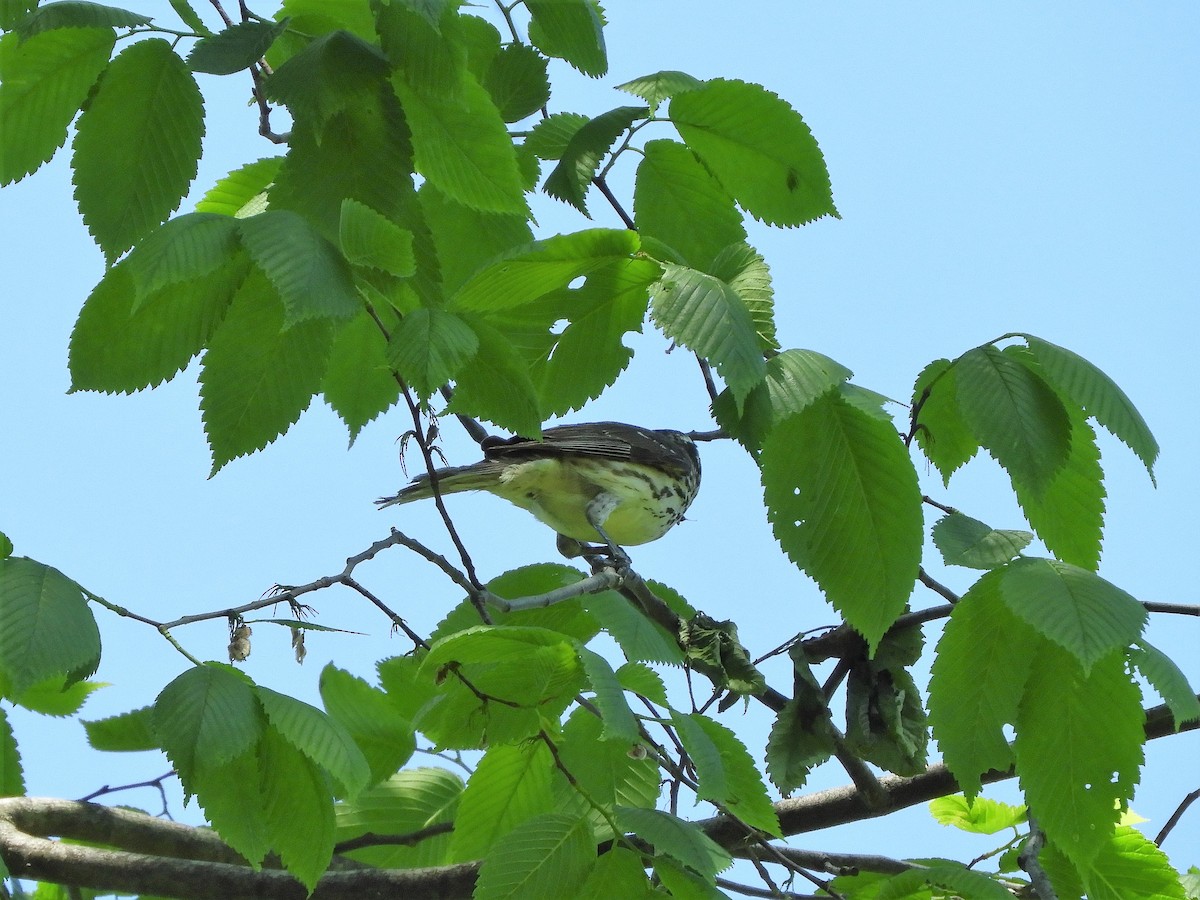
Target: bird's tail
x=481, y=476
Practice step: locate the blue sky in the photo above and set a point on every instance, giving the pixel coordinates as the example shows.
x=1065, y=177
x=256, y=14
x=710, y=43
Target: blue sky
x=1017, y=167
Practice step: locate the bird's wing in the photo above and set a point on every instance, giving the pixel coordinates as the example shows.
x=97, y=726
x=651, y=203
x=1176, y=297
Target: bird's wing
x=611, y=440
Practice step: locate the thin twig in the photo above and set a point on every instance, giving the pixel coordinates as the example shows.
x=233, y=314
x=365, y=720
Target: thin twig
x=156, y=783
x=936, y=586
x=1176, y=816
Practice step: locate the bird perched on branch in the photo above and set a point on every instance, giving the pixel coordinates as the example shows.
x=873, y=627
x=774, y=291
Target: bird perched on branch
x=605, y=481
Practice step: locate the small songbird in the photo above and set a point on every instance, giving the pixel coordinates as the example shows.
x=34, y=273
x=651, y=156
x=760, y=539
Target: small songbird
x=606, y=481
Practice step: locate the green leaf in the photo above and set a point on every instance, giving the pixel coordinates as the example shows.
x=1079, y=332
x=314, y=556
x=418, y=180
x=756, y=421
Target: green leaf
x=1098, y=395
x=758, y=147
x=942, y=434
x=726, y=771
x=673, y=191
x=527, y=273
x=618, y=873
x=549, y=856
x=137, y=145
x=189, y=16
x=501, y=683
x=6, y=547
x=609, y=772
x=684, y=884
x=843, y=501
x=463, y=147
x=707, y=315
x=673, y=837
x=572, y=30
x=964, y=541
x=187, y=247
x=794, y=379
x=801, y=738
x=495, y=384
x=1077, y=609
x=620, y=724
x=430, y=347
x=320, y=737
x=385, y=737
x=333, y=73
x=308, y=272
x=638, y=637
x=12, y=780
x=258, y=377
x=298, y=811
x=1167, y=679
x=425, y=44
x=1078, y=748
x=510, y=786
x=961, y=881
x=123, y=342
x=408, y=802
x=466, y=238
x=126, y=732
x=76, y=14
x=713, y=649
x=230, y=791
x=743, y=269
x=640, y=679
x=43, y=82
x=1069, y=515
x=1128, y=867
x=238, y=47
x=242, y=192
x=978, y=815
x=567, y=618
x=589, y=353
x=56, y=697
x=573, y=175
x=978, y=678
x=1015, y=415
x=46, y=628
x=660, y=86
x=885, y=722
x=517, y=82
x=370, y=239
x=548, y=139
x=206, y=716
x=358, y=383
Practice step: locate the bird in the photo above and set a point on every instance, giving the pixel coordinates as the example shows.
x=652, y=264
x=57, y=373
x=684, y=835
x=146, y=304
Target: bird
x=618, y=484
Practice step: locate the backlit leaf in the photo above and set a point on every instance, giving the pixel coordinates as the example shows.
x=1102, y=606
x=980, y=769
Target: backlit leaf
x=707, y=315
x=758, y=147
x=570, y=30
x=1079, y=748
x=137, y=145
x=1014, y=414
x=46, y=627
x=1077, y=609
x=844, y=503
x=1098, y=395
x=673, y=191
x=964, y=541
x=43, y=82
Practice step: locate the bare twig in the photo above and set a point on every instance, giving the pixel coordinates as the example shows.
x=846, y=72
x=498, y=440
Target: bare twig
x=370, y=839
x=156, y=783
x=936, y=586
x=1176, y=816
